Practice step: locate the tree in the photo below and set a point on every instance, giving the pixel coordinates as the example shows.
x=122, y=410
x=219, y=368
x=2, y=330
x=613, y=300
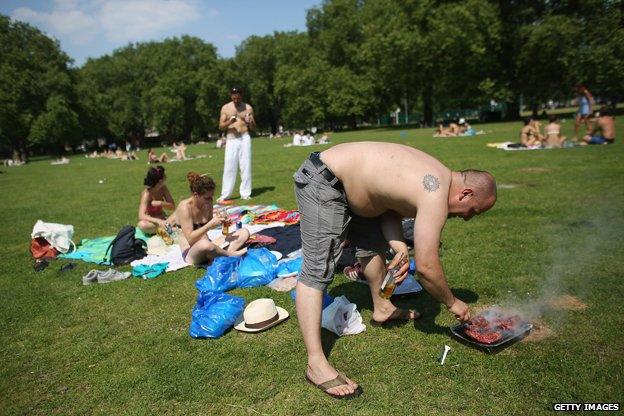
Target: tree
x=255, y=62
x=440, y=51
x=545, y=63
x=56, y=126
x=36, y=90
x=151, y=85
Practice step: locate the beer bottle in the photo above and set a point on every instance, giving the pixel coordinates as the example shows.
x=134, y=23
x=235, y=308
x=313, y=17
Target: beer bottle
x=389, y=284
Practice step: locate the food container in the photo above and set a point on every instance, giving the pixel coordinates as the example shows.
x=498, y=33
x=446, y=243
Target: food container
x=508, y=338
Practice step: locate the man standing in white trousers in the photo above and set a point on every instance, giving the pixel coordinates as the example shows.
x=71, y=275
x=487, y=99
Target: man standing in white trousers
x=236, y=119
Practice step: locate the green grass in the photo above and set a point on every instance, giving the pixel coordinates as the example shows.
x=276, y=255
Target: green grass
x=124, y=348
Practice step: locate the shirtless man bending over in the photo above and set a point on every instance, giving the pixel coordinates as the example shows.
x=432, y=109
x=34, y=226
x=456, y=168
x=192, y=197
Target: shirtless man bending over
x=339, y=199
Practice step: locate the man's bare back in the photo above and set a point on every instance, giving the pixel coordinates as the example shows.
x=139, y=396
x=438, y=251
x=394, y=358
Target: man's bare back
x=606, y=125
x=380, y=177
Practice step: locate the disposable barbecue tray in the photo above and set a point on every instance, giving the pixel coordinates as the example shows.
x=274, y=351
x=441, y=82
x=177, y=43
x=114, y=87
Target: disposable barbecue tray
x=508, y=338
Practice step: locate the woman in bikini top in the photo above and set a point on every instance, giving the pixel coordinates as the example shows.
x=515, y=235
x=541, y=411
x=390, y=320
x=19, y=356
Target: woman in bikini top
x=553, y=133
x=154, y=199
x=194, y=216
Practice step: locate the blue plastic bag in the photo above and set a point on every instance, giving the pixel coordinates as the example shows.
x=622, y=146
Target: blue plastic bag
x=221, y=275
x=287, y=267
x=258, y=267
x=214, y=313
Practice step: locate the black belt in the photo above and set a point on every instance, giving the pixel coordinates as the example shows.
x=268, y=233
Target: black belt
x=315, y=158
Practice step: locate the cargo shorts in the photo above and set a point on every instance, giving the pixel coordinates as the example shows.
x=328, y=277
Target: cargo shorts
x=326, y=222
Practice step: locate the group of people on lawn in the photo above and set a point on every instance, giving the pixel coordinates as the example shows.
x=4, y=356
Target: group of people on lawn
x=342, y=203
x=600, y=130
x=351, y=194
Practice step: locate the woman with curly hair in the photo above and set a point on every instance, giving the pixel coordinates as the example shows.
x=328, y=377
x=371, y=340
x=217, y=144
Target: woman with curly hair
x=194, y=216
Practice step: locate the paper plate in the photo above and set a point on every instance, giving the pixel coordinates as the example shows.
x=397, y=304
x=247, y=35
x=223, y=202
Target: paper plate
x=277, y=254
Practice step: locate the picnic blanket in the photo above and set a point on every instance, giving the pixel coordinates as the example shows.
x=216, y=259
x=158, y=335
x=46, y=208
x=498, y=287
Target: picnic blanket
x=93, y=250
x=513, y=146
x=173, y=258
x=259, y=214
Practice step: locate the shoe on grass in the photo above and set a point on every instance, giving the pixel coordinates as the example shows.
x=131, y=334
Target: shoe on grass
x=90, y=277
x=101, y=276
x=112, y=275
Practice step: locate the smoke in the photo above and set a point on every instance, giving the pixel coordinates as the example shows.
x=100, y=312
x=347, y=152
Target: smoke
x=574, y=253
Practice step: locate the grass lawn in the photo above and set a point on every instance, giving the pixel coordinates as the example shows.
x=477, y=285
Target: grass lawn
x=124, y=348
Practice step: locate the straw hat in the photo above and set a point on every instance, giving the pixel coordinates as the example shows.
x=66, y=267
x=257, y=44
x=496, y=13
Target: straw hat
x=259, y=315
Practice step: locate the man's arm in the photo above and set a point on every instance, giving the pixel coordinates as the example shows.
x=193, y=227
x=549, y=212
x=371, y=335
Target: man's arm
x=251, y=122
x=428, y=226
x=393, y=233
x=224, y=120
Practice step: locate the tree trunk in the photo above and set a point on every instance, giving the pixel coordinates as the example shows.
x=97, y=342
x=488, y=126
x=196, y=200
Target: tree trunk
x=513, y=110
x=427, y=106
x=352, y=122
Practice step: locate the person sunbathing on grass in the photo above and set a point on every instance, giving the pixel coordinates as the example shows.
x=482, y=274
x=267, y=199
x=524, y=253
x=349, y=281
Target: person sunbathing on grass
x=553, y=133
x=152, y=158
x=442, y=131
x=180, y=150
x=154, y=199
x=529, y=134
x=604, y=130
x=194, y=215
x=361, y=192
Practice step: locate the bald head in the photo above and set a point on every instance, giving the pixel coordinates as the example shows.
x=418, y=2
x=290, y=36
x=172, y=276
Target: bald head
x=472, y=192
x=481, y=182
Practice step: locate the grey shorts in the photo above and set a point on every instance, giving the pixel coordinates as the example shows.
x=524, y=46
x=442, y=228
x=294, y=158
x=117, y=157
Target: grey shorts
x=326, y=223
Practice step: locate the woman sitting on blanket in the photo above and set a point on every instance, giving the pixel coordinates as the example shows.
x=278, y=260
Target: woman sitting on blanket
x=553, y=133
x=194, y=216
x=154, y=199
x=530, y=135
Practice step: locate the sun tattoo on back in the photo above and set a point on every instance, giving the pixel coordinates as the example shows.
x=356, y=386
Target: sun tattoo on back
x=431, y=183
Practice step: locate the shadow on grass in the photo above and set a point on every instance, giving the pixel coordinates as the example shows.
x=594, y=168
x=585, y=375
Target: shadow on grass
x=423, y=302
x=260, y=191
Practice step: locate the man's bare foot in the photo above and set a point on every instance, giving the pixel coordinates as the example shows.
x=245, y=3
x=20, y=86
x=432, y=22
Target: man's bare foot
x=397, y=314
x=324, y=373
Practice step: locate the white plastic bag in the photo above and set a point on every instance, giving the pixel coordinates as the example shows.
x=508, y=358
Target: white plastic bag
x=342, y=317
x=58, y=235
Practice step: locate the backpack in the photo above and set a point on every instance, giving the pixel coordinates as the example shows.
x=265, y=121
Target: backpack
x=125, y=248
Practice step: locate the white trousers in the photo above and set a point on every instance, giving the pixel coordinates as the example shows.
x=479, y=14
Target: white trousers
x=237, y=154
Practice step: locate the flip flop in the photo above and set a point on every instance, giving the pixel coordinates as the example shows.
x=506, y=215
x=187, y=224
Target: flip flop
x=354, y=273
x=40, y=265
x=340, y=380
x=67, y=267
x=397, y=315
